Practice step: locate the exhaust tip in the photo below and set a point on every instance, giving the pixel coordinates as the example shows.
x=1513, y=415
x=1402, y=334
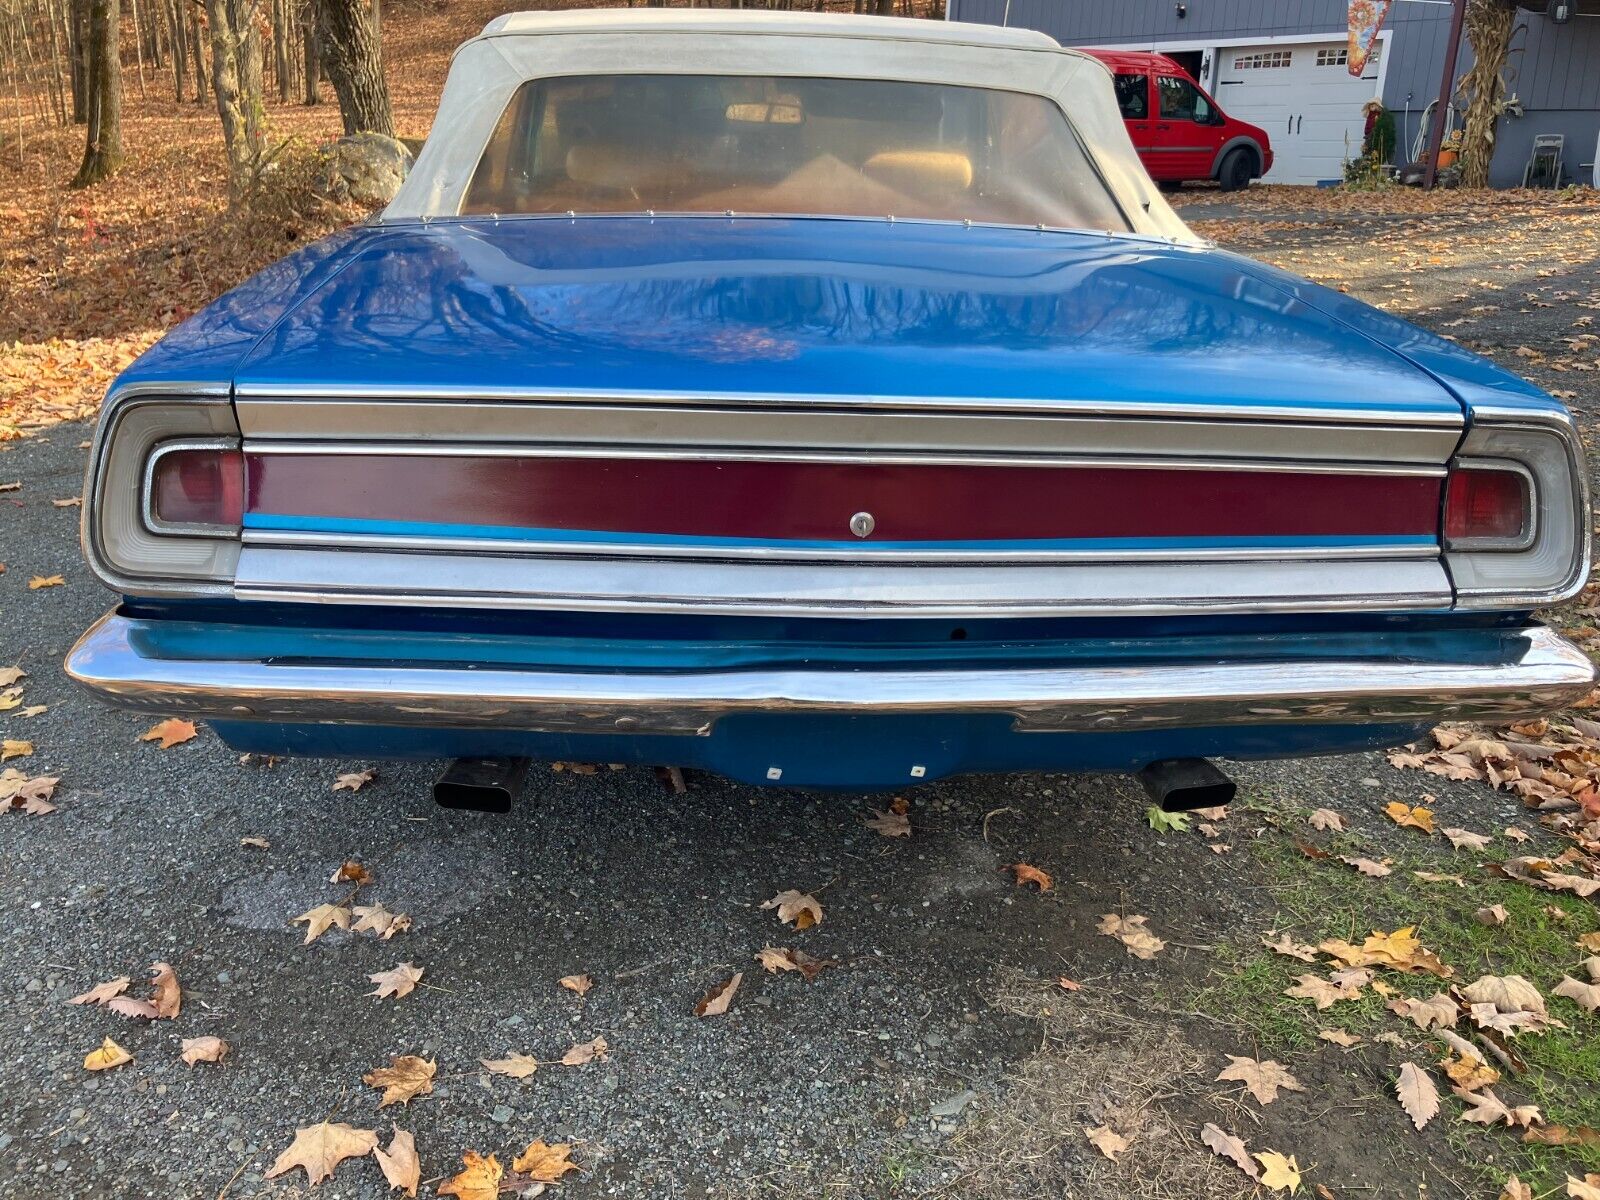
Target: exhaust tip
x=487, y=785
x=1185, y=784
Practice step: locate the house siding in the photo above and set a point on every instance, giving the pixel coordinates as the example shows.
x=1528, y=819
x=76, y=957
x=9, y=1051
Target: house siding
x=1555, y=69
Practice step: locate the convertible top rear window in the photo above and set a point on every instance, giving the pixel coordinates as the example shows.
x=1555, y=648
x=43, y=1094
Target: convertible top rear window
x=795, y=146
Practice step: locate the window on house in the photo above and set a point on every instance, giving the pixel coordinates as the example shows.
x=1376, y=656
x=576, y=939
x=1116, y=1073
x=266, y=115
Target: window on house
x=1133, y=96
x=1265, y=60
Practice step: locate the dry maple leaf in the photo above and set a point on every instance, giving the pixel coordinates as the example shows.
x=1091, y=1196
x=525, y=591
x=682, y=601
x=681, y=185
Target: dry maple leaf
x=132, y=1006
x=351, y=871
x=354, y=781
x=1404, y=815
x=45, y=581
x=204, y=1049
x=584, y=1053
x=1563, y=1135
x=1514, y=834
x=796, y=908
x=776, y=959
x=171, y=732
x=259, y=843
x=1418, y=1094
x=31, y=795
x=1462, y=839
x=10, y=676
x=321, y=1147
x=1508, y=1004
x=406, y=1077
x=1485, y=1108
x=11, y=748
x=319, y=919
x=397, y=982
x=1468, y=1072
x=715, y=1002
x=1131, y=932
x=1289, y=948
x=1106, y=1141
x=1261, y=1079
x=1279, y=1173
x=1026, y=873
x=399, y=1162
x=1226, y=1145
x=1339, y=1037
x=1324, y=993
x=1587, y=1188
x=102, y=993
x=518, y=1066
x=545, y=1164
x=1436, y=877
x=1437, y=1012
x=890, y=823
x=107, y=1056
x=1492, y=914
x=1366, y=866
x=1585, y=995
x=165, y=993
x=1515, y=1189
x=1326, y=819
x=375, y=918
x=576, y=983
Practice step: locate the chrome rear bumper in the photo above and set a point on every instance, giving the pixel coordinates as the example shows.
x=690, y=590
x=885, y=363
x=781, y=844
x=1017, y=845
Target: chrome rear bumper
x=1546, y=673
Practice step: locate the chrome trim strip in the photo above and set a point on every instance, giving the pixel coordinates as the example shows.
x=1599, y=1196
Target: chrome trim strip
x=855, y=589
x=147, y=495
x=433, y=449
x=855, y=553
x=1207, y=412
x=1548, y=674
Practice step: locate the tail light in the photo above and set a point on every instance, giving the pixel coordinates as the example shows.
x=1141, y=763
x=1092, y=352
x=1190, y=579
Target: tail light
x=1488, y=507
x=195, y=488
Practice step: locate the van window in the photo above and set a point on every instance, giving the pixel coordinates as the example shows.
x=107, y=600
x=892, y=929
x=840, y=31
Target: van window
x=1182, y=101
x=788, y=145
x=1133, y=96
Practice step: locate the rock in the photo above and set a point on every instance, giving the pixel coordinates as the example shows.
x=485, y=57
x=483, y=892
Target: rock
x=501, y=1114
x=365, y=167
x=952, y=1106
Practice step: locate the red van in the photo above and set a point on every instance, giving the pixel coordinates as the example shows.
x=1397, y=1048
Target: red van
x=1178, y=130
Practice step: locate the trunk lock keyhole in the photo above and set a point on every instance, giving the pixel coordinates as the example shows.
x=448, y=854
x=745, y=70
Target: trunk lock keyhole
x=862, y=524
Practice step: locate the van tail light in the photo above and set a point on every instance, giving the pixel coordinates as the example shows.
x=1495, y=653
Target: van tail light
x=1488, y=508
x=197, y=486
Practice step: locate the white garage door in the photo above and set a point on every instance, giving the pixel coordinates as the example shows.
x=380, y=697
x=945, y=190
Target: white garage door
x=1304, y=96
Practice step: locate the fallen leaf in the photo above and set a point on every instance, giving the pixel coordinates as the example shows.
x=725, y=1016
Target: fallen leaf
x=1261, y=1079
x=1326, y=819
x=350, y=871
x=132, y=1006
x=69, y=502
x=354, y=781
x=375, y=918
x=584, y=1053
x=1587, y=1188
x=31, y=795
x=101, y=993
x=165, y=993
x=1508, y=1004
x=1163, y=821
x=107, y=1056
x=1484, y=1107
x=1289, y=948
x=1439, y=1011
x=1324, y=993
x=776, y=959
x=397, y=982
x=1226, y=1145
x=796, y=908
x=399, y=1162
x=1436, y=877
x=1107, y=1142
x=1418, y=1094
x=1339, y=1037
x=1404, y=815
x=889, y=823
x=715, y=1002
x=1398, y=951
x=1585, y=995
x=1562, y=1135
x=1515, y=834
x=45, y=581
x=1493, y=914
x=204, y=1049
x=576, y=983
x=258, y=843
x=1026, y=874
x=1366, y=866
x=319, y=919
x=1068, y=985
x=406, y=1077
x=480, y=1180
x=546, y=1164
x=169, y=733
x=10, y=676
x=1462, y=839
x=1515, y=1189
x=518, y=1066
x=12, y=748
x=1469, y=1072
x=1131, y=932
x=1590, y=942
x=1279, y=1173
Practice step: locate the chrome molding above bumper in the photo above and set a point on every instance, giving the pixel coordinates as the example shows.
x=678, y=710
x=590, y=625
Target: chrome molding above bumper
x=1549, y=673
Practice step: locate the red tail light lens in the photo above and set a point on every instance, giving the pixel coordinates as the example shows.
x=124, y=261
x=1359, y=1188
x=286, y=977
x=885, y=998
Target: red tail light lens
x=198, y=487
x=1484, y=506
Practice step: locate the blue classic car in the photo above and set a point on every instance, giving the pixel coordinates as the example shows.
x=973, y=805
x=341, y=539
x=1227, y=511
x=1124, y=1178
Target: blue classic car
x=824, y=401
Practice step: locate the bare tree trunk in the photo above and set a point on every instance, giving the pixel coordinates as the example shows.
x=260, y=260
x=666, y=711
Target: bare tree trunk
x=312, y=59
x=280, y=48
x=1488, y=25
x=197, y=50
x=180, y=47
x=351, y=55
x=236, y=80
x=102, y=151
x=138, y=46
x=78, y=52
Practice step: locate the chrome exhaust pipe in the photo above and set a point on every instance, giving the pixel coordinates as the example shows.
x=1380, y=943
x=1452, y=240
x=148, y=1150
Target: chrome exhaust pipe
x=1184, y=784
x=480, y=784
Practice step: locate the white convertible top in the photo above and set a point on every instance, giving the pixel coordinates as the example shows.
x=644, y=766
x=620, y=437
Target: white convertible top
x=487, y=70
